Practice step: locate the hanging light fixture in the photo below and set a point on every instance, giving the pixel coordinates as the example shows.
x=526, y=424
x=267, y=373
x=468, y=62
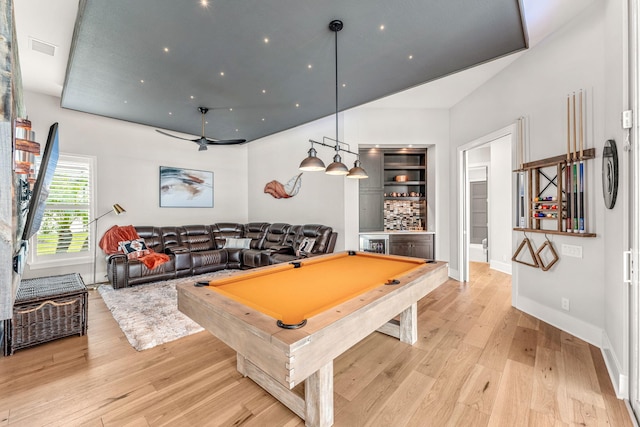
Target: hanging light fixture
x=313, y=163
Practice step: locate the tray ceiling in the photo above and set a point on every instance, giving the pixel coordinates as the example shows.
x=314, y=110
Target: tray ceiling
x=263, y=66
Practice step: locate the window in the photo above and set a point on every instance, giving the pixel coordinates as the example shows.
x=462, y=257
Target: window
x=64, y=236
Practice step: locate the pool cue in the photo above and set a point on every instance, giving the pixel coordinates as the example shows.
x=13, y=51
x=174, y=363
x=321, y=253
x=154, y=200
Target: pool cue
x=575, y=168
x=581, y=215
x=567, y=170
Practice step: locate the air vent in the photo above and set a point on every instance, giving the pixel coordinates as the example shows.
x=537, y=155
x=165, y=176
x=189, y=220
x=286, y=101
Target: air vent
x=42, y=47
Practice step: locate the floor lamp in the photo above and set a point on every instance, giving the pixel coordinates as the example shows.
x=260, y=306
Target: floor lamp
x=117, y=209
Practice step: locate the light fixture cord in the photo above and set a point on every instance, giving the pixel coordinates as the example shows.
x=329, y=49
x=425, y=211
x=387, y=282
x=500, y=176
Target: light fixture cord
x=336, y=42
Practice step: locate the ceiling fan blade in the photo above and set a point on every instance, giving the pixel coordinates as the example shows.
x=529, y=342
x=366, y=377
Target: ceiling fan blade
x=226, y=141
x=174, y=136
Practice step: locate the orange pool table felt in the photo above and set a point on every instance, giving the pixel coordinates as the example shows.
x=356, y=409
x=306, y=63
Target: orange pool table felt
x=292, y=294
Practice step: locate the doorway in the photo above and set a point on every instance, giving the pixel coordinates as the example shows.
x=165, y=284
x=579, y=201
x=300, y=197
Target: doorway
x=494, y=152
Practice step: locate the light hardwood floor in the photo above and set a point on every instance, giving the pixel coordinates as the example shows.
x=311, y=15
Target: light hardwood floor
x=478, y=362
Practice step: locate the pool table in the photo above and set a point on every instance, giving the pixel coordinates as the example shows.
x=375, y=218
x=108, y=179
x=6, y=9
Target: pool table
x=288, y=322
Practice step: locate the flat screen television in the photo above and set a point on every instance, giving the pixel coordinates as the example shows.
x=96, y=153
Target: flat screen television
x=37, y=202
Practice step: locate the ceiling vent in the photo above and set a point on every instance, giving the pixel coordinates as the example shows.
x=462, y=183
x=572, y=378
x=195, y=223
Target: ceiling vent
x=42, y=47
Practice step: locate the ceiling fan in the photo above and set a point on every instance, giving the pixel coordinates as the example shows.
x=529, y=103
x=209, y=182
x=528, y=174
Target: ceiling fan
x=203, y=141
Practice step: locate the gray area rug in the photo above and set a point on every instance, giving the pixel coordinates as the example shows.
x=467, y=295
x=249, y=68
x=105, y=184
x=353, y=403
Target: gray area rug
x=148, y=314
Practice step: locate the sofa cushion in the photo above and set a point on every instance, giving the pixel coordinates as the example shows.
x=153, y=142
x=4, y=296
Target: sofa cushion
x=152, y=237
x=197, y=238
x=222, y=230
x=275, y=235
x=256, y=231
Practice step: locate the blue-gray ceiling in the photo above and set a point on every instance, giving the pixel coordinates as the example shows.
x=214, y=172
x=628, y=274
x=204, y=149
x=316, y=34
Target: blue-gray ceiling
x=181, y=48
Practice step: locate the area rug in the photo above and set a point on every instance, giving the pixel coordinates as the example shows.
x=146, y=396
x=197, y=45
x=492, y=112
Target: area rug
x=148, y=314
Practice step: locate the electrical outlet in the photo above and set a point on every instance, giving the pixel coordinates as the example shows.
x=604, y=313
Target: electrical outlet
x=565, y=304
x=572, y=251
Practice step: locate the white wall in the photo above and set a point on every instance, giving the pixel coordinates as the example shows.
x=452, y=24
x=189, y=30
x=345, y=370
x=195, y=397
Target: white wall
x=320, y=199
x=128, y=159
x=536, y=86
x=333, y=200
x=500, y=205
x=402, y=126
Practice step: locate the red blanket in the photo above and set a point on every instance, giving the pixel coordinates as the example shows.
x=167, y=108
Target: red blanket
x=110, y=244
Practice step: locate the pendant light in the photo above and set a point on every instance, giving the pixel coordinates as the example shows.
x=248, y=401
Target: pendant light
x=312, y=162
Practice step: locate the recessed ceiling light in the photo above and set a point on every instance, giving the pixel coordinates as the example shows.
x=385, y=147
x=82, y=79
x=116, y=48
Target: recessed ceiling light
x=263, y=119
x=264, y=91
x=222, y=73
x=266, y=39
x=236, y=130
x=170, y=113
x=344, y=85
x=141, y=81
x=192, y=97
x=206, y=122
x=309, y=66
x=204, y=3
x=230, y=109
x=381, y=27
x=297, y=105
x=166, y=49
x=125, y=101
x=410, y=56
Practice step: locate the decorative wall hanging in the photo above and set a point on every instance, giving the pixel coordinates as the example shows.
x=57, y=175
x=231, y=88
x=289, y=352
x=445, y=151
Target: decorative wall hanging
x=284, y=191
x=534, y=259
x=547, y=245
x=610, y=173
x=185, y=188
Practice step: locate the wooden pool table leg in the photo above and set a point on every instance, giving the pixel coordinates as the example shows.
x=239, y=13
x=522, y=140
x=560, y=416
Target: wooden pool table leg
x=406, y=329
x=409, y=324
x=318, y=391
x=317, y=406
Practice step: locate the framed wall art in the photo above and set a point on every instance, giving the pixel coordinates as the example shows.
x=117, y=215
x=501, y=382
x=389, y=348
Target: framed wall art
x=185, y=188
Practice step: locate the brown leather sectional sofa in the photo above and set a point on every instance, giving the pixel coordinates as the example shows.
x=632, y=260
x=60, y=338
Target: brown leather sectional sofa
x=198, y=249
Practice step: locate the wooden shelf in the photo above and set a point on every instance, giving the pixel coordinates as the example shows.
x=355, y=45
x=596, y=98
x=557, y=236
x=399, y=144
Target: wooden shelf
x=559, y=233
x=589, y=153
x=398, y=166
x=400, y=183
x=553, y=181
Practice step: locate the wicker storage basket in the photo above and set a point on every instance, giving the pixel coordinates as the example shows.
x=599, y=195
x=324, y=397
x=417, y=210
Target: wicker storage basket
x=46, y=308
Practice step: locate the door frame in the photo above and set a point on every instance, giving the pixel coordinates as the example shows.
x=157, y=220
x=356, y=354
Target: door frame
x=634, y=221
x=463, y=196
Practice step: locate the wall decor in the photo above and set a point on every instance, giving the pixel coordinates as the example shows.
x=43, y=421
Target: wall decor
x=610, y=173
x=284, y=191
x=185, y=188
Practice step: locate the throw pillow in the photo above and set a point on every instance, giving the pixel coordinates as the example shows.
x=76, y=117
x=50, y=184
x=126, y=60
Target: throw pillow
x=134, y=248
x=305, y=246
x=129, y=246
x=234, y=243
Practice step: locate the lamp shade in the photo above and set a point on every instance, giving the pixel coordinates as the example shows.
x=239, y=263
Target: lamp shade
x=312, y=163
x=337, y=167
x=357, y=172
x=118, y=209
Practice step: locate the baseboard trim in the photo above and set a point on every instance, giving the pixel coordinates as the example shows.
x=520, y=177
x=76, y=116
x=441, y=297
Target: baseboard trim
x=619, y=380
x=504, y=267
x=576, y=327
